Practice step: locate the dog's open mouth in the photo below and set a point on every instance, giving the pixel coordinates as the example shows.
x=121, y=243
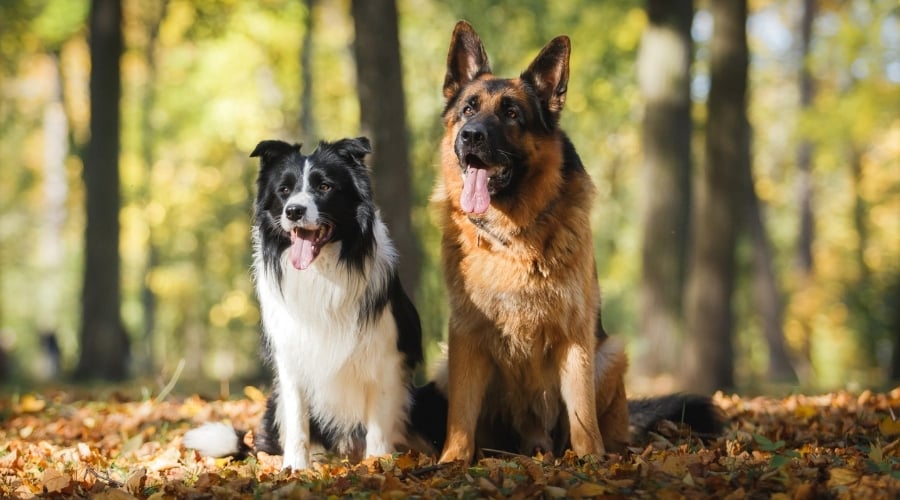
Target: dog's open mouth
x=478, y=182
x=306, y=244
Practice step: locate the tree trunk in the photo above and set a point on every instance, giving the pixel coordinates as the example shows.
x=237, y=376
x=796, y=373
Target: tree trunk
x=146, y=360
x=710, y=285
x=806, y=236
x=51, y=253
x=805, y=150
x=664, y=77
x=307, y=123
x=104, y=343
x=383, y=118
x=767, y=297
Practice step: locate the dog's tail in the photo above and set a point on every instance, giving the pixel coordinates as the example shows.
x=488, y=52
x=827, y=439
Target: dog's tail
x=699, y=412
x=217, y=440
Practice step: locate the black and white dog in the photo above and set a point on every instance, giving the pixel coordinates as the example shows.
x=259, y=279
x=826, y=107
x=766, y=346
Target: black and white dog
x=340, y=333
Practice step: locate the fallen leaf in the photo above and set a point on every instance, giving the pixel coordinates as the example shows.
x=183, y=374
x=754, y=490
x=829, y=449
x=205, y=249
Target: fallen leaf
x=587, y=490
x=29, y=403
x=55, y=481
x=135, y=482
x=889, y=427
x=841, y=476
x=254, y=394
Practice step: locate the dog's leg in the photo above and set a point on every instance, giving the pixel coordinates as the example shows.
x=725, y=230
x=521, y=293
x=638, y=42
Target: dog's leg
x=293, y=422
x=468, y=372
x=385, y=403
x=577, y=381
x=612, y=405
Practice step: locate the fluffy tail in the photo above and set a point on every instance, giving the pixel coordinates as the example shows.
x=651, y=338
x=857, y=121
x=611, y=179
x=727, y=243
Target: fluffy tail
x=699, y=412
x=217, y=440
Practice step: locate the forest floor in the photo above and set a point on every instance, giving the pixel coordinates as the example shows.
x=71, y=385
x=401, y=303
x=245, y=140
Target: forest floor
x=61, y=444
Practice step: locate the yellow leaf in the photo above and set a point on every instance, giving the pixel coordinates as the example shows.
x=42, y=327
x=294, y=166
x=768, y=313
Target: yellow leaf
x=254, y=394
x=805, y=411
x=30, y=403
x=889, y=427
x=587, y=490
x=841, y=476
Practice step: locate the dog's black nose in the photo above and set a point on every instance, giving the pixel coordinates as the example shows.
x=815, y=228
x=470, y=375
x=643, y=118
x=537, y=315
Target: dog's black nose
x=295, y=212
x=473, y=134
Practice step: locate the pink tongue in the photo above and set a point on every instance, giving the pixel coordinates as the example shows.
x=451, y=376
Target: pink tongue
x=303, y=250
x=475, y=196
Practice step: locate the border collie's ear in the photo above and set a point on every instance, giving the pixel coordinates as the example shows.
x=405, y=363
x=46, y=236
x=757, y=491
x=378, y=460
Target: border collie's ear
x=270, y=150
x=354, y=149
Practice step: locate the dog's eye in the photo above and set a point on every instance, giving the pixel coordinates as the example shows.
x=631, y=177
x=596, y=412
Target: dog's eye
x=468, y=110
x=512, y=113
x=284, y=190
x=324, y=187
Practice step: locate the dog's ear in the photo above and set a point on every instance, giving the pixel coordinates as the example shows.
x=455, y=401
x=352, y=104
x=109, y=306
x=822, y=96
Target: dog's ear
x=354, y=149
x=466, y=59
x=271, y=150
x=548, y=74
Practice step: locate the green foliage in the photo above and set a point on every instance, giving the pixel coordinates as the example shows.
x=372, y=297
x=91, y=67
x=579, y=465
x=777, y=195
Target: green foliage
x=221, y=75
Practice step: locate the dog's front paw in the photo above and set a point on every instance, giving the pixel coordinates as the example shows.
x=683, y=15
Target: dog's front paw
x=295, y=460
x=453, y=454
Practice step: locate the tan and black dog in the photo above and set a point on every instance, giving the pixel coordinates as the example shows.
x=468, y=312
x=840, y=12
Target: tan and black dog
x=529, y=365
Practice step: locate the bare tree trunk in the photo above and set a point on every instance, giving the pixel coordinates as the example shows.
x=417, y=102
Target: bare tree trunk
x=307, y=123
x=383, y=118
x=104, y=343
x=55, y=190
x=710, y=284
x=804, y=257
x=767, y=296
x=51, y=252
x=805, y=150
x=148, y=297
x=664, y=75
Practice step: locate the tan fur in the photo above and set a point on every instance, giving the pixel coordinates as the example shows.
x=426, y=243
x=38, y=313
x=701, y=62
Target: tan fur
x=524, y=302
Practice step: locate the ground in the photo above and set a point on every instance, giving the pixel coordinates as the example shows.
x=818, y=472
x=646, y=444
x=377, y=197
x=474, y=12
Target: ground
x=62, y=444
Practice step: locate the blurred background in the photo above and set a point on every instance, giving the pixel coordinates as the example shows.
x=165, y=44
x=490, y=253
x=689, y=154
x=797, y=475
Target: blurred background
x=746, y=157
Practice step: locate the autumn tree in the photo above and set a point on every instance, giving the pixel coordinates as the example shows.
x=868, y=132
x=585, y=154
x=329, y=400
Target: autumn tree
x=664, y=73
x=104, y=343
x=383, y=118
x=710, y=283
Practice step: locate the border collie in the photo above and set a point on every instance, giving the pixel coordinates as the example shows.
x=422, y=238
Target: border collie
x=342, y=336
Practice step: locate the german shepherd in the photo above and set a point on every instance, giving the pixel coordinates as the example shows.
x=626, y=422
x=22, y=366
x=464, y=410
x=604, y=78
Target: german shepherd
x=529, y=365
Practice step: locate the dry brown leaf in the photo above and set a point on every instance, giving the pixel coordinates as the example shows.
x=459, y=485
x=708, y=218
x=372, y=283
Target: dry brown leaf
x=55, y=481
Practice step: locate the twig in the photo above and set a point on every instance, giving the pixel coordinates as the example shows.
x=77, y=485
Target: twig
x=172, y=381
x=426, y=470
x=105, y=478
x=504, y=453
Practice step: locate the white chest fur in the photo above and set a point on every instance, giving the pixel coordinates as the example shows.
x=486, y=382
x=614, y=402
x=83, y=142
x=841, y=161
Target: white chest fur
x=332, y=363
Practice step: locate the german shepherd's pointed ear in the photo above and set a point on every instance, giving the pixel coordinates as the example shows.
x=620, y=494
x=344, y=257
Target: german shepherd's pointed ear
x=270, y=150
x=354, y=149
x=466, y=60
x=548, y=74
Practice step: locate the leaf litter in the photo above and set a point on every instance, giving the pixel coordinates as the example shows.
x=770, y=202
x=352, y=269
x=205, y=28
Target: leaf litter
x=838, y=445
